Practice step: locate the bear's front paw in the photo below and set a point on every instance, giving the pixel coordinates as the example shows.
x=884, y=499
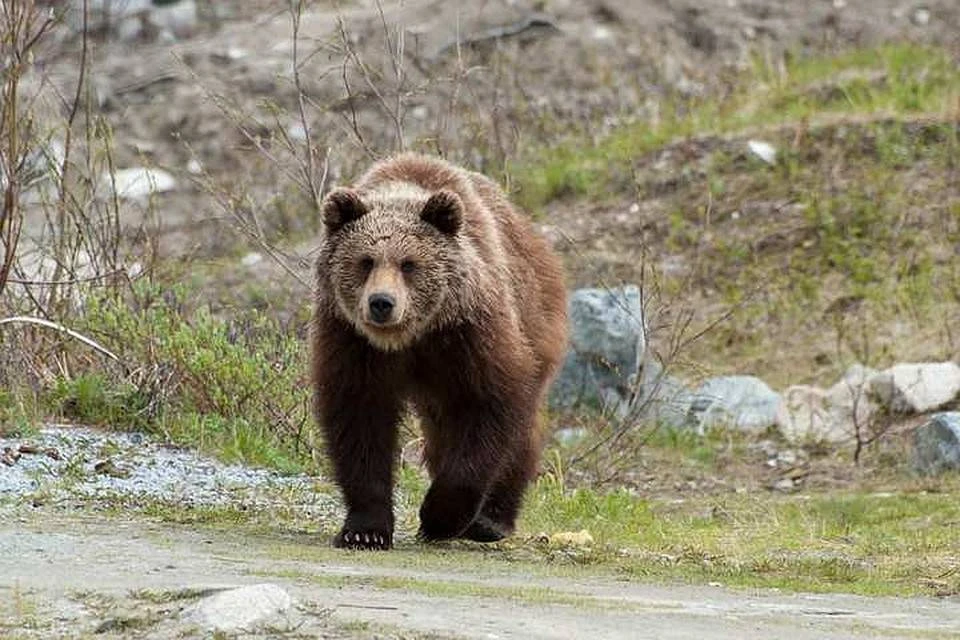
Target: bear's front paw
x=363, y=539
x=447, y=511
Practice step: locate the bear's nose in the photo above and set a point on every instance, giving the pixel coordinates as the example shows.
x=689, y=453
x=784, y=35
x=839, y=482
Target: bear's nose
x=381, y=307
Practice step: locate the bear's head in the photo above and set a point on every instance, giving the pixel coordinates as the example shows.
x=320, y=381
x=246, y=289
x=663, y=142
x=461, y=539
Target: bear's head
x=391, y=260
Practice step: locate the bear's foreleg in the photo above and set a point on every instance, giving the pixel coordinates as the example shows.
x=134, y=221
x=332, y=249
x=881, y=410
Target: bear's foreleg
x=361, y=433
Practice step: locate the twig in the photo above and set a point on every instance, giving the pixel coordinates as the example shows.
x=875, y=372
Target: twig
x=59, y=283
x=59, y=327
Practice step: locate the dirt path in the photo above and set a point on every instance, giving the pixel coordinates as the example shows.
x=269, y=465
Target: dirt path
x=86, y=576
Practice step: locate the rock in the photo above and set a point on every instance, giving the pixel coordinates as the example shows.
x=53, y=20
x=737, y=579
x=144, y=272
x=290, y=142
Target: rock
x=252, y=259
x=241, y=608
x=742, y=402
x=916, y=387
x=936, y=444
x=812, y=414
x=661, y=398
x=138, y=182
x=607, y=343
x=570, y=436
x=580, y=538
x=920, y=16
x=784, y=485
x=763, y=150
x=804, y=415
x=134, y=19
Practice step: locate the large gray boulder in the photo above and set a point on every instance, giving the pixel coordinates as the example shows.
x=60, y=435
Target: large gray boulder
x=916, y=387
x=607, y=343
x=745, y=403
x=936, y=444
x=660, y=398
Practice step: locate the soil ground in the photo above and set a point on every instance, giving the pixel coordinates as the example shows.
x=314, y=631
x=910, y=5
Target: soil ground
x=82, y=576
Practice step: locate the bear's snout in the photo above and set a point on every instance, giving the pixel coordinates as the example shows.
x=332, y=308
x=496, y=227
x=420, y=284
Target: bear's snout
x=381, y=307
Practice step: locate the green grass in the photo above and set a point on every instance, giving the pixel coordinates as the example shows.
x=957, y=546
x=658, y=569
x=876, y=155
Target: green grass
x=912, y=79
x=234, y=386
x=873, y=544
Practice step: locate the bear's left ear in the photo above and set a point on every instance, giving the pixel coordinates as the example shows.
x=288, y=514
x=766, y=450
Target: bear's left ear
x=340, y=207
x=443, y=210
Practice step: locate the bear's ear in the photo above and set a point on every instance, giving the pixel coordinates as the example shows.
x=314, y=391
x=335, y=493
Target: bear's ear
x=443, y=210
x=340, y=207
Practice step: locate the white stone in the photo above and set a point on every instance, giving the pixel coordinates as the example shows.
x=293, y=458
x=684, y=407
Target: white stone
x=252, y=259
x=763, y=150
x=297, y=132
x=916, y=387
x=241, y=608
x=602, y=33
x=803, y=414
x=812, y=414
x=139, y=182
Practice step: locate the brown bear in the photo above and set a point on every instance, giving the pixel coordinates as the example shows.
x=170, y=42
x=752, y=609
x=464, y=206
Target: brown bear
x=433, y=291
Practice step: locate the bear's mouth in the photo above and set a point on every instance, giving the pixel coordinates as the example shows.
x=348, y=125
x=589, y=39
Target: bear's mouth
x=391, y=337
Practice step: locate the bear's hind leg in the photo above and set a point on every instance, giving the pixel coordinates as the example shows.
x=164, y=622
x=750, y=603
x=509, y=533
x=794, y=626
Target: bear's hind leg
x=497, y=519
x=473, y=441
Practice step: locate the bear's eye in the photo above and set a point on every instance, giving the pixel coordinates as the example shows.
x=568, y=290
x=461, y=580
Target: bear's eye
x=366, y=263
x=407, y=266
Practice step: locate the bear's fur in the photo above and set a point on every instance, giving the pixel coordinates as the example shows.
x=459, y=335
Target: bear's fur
x=433, y=291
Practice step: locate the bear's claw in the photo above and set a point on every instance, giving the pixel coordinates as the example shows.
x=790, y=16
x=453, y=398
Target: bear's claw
x=350, y=539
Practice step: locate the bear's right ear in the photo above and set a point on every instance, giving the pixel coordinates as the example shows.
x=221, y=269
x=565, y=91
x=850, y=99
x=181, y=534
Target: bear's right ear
x=443, y=210
x=340, y=207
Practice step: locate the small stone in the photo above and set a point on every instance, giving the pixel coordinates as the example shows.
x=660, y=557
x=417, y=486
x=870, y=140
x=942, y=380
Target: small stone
x=139, y=182
x=787, y=458
x=570, y=436
x=231, y=54
x=109, y=468
x=194, y=167
x=602, y=33
x=936, y=444
x=239, y=609
x=297, y=132
x=580, y=538
x=763, y=150
x=784, y=484
x=251, y=259
x=635, y=208
x=920, y=16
